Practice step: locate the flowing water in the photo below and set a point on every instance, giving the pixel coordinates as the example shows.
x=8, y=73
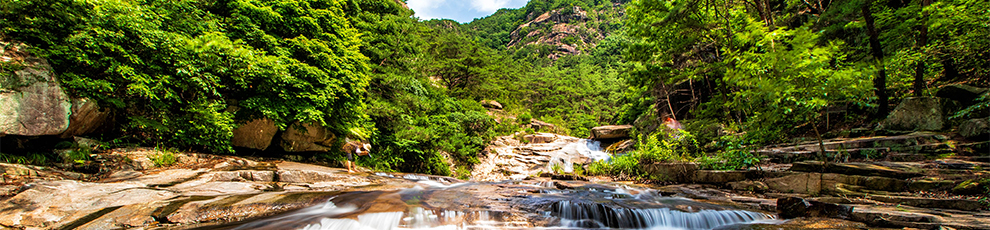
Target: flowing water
x=439, y=203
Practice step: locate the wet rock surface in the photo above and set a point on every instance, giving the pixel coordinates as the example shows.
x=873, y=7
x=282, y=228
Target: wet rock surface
x=507, y=158
x=208, y=192
x=199, y=189
x=611, y=132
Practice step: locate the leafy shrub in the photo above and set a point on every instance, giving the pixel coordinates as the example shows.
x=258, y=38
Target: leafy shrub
x=734, y=154
x=163, y=157
x=176, y=69
x=525, y=118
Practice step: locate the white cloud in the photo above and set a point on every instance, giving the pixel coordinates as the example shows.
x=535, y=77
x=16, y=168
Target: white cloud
x=425, y=9
x=489, y=6
x=425, y=4
x=460, y=10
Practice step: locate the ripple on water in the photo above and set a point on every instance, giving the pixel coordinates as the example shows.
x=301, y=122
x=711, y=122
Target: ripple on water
x=432, y=204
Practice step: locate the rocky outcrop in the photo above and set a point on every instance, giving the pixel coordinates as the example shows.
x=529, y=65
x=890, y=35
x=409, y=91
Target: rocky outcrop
x=507, y=158
x=542, y=126
x=87, y=118
x=913, y=146
x=32, y=102
x=256, y=134
x=491, y=104
x=862, y=169
x=611, y=132
x=311, y=138
x=202, y=189
x=540, y=138
x=961, y=93
x=975, y=129
x=792, y=207
x=916, y=113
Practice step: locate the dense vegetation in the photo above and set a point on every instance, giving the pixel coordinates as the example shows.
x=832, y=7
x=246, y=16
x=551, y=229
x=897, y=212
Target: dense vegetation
x=185, y=73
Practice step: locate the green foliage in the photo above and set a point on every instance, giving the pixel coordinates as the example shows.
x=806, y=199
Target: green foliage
x=31, y=158
x=163, y=157
x=175, y=69
x=556, y=168
x=659, y=147
x=734, y=154
x=72, y=153
x=463, y=173
x=982, y=104
x=525, y=118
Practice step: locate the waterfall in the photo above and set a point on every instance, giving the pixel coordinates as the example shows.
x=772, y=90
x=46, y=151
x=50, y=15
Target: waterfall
x=417, y=218
x=591, y=215
x=592, y=149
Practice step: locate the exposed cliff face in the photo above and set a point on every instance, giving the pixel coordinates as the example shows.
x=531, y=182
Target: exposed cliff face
x=570, y=31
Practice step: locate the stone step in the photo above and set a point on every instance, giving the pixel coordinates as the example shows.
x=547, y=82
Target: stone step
x=862, y=169
x=882, y=215
x=903, y=153
x=923, y=202
x=860, y=148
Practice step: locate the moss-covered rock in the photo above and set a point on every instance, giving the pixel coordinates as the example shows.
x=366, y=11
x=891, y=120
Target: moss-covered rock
x=916, y=113
x=975, y=129
x=32, y=103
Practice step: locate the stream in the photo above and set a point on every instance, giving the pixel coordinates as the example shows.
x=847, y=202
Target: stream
x=438, y=203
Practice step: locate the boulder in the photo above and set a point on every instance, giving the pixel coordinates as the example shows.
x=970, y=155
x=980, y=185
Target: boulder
x=491, y=104
x=32, y=102
x=916, y=113
x=49, y=204
x=960, y=92
x=611, y=132
x=540, y=138
x=539, y=125
x=256, y=134
x=793, y=207
x=312, y=138
x=87, y=117
x=969, y=187
x=975, y=129
x=621, y=147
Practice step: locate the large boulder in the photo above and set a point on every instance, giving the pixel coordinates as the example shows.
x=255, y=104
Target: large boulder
x=793, y=207
x=256, y=134
x=87, y=117
x=311, y=138
x=960, y=92
x=491, y=104
x=975, y=129
x=916, y=113
x=540, y=138
x=32, y=102
x=542, y=126
x=611, y=132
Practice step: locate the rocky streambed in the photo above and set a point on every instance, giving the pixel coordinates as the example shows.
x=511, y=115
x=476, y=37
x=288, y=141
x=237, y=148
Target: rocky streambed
x=211, y=192
x=508, y=191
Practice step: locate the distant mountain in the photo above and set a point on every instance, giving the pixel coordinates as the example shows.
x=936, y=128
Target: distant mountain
x=562, y=27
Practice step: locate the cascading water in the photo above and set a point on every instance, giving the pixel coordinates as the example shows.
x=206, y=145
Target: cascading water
x=435, y=203
x=593, y=215
x=592, y=149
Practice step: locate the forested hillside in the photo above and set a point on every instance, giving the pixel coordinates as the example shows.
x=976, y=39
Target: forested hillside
x=739, y=74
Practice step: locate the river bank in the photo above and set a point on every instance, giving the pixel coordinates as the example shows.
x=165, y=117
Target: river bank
x=205, y=191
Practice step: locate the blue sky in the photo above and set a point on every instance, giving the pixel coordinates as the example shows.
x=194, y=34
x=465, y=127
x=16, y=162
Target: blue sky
x=460, y=10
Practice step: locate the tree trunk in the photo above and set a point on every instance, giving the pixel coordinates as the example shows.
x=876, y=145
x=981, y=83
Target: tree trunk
x=919, y=71
x=880, y=82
